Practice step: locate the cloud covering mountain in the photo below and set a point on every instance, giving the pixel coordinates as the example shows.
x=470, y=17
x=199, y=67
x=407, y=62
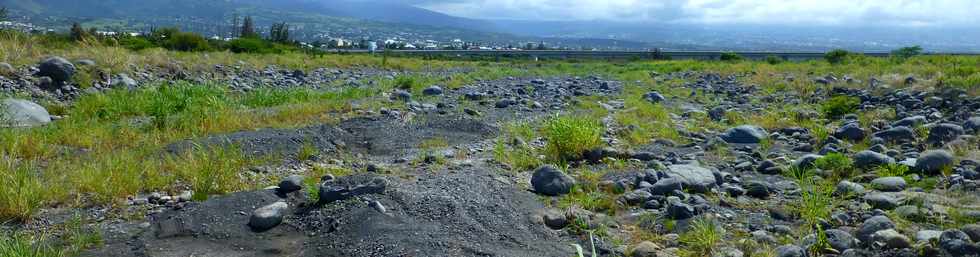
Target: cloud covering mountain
x=762, y=12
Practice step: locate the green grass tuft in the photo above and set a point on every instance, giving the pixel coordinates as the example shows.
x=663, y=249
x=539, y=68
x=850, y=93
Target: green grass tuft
x=568, y=137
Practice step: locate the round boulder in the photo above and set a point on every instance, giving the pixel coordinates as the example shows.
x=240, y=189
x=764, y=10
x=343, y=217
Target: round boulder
x=972, y=124
x=851, y=131
x=693, y=177
x=943, y=133
x=933, y=161
x=22, y=113
x=548, y=180
x=268, y=217
x=433, y=90
x=870, y=159
x=745, y=134
x=57, y=68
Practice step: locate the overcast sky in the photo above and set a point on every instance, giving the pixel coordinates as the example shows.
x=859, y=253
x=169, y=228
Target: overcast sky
x=797, y=12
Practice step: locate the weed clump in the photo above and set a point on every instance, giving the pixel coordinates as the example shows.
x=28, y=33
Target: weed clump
x=569, y=137
x=839, y=164
x=703, y=236
x=838, y=106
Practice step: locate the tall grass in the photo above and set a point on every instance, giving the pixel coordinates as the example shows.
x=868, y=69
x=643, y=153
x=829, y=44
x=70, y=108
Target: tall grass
x=109, y=145
x=21, y=189
x=568, y=137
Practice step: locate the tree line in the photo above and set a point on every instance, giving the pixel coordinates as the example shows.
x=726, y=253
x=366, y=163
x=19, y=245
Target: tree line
x=246, y=38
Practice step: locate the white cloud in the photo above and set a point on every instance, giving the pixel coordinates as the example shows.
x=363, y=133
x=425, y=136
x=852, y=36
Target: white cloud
x=797, y=12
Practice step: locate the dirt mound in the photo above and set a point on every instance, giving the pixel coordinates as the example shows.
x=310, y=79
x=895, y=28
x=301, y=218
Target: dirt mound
x=446, y=213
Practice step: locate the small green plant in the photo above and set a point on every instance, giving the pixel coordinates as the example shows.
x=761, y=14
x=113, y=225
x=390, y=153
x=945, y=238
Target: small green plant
x=20, y=245
x=892, y=170
x=839, y=164
x=405, y=82
x=568, y=137
x=821, y=243
x=838, y=106
x=836, y=56
x=703, y=236
x=307, y=151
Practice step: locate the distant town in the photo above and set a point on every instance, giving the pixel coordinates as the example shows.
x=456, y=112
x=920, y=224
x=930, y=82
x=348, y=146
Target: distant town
x=329, y=41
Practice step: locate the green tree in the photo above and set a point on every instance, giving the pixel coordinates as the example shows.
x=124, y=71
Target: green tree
x=77, y=32
x=906, y=52
x=279, y=33
x=730, y=57
x=836, y=56
x=248, y=28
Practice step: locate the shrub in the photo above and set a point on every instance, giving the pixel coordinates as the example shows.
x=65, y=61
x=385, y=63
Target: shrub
x=838, y=163
x=836, y=56
x=405, y=82
x=569, y=137
x=838, y=106
x=136, y=43
x=772, y=59
x=187, y=42
x=730, y=56
x=247, y=45
x=892, y=170
x=906, y=52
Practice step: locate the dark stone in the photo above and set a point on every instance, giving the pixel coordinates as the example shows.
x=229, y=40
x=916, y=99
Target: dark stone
x=548, y=180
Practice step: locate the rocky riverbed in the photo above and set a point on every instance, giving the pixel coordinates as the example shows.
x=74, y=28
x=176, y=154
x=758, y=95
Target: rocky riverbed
x=903, y=184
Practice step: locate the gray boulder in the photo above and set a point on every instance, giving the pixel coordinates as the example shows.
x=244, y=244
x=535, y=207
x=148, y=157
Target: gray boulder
x=944, y=132
x=972, y=124
x=433, y=90
x=882, y=201
x=291, y=184
x=845, y=188
x=6, y=69
x=897, y=134
x=666, y=186
x=872, y=225
x=957, y=243
x=654, y=97
x=58, y=69
x=548, y=180
x=22, y=113
x=870, y=159
x=758, y=189
x=790, y=251
x=745, y=134
x=889, y=184
x=678, y=210
x=926, y=235
x=693, y=177
x=890, y=239
x=124, y=81
x=932, y=162
x=268, y=217
x=911, y=122
x=850, y=131
x=840, y=240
